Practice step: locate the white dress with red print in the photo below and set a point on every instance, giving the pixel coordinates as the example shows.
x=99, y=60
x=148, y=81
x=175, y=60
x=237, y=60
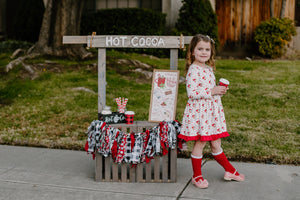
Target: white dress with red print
x=204, y=116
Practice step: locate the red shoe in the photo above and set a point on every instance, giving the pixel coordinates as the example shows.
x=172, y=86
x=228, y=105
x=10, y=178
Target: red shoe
x=229, y=176
x=200, y=183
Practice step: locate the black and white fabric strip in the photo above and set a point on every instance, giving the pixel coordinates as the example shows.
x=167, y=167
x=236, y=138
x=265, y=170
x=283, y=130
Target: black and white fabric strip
x=107, y=140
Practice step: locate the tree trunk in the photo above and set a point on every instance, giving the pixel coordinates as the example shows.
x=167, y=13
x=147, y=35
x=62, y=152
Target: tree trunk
x=61, y=17
x=282, y=10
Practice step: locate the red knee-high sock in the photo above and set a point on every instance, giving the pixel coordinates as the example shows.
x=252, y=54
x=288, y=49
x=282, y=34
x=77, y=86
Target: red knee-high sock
x=223, y=161
x=196, y=163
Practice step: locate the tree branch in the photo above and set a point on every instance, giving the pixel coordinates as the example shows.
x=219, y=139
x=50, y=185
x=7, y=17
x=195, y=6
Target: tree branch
x=19, y=60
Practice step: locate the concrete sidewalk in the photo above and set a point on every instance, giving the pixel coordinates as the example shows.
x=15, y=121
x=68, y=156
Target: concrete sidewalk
x=39, y=173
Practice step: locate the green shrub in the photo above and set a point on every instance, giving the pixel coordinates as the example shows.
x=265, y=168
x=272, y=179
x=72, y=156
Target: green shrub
x=197, y=16
x=124, y=21
x=272, y=36
x=10, y=46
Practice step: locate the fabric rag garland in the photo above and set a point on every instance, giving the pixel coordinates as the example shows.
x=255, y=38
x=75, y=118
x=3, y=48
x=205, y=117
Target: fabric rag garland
x=132, y=147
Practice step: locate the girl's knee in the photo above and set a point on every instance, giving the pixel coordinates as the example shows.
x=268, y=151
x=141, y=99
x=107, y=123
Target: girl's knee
x=215, y=146
x=200, y=143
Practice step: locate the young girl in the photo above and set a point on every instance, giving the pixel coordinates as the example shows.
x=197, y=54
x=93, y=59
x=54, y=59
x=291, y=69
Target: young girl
x=204, y=118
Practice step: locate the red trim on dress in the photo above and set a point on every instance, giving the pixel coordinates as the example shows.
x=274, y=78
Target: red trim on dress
x=203, y=138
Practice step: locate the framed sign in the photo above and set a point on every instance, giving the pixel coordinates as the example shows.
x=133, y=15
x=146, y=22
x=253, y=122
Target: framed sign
x=164, y=91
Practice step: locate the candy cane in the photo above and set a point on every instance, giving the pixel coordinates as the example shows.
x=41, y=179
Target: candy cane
x=124, y=103
x=121, y=104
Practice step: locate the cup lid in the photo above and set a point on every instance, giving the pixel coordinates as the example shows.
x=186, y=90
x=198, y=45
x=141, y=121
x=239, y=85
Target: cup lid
x=106, y=108
x=225, y=81
x=129, y=113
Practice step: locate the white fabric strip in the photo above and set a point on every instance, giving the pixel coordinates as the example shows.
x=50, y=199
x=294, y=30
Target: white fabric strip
x=196, y=157
x=215, y=154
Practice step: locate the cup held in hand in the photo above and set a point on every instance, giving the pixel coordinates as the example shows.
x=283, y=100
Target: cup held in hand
x=223, y=82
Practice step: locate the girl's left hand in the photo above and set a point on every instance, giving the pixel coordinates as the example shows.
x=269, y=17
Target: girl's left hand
x=219, y=90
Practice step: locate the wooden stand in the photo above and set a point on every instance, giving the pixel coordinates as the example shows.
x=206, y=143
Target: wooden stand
x=165, y=167
x=159, y=169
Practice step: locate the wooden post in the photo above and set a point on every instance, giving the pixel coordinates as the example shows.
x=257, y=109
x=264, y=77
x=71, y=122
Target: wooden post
x=173, y=59
x=101, y=79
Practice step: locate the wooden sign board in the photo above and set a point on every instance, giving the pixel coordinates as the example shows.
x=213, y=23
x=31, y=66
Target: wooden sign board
x=128, y=41
x=164, y=91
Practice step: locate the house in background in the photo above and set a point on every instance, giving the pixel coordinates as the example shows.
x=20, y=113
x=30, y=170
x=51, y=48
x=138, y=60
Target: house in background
x=237, y=19
x=169, y=7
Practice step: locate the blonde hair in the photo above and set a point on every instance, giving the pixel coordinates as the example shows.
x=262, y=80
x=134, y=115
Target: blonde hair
x=189, y=56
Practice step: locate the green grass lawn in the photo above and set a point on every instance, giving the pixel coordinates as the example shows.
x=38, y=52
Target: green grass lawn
x=261, y=107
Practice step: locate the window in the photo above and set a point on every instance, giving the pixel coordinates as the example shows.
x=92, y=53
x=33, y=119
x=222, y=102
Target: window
x=150, y=4
x=89, y=6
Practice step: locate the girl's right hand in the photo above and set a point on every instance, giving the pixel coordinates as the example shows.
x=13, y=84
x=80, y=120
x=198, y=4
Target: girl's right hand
x=219, y=90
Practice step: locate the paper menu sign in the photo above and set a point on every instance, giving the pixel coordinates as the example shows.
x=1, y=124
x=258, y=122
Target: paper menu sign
x=164, y=91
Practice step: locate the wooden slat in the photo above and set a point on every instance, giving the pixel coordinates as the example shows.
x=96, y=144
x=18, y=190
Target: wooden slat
x=107, y=169
x=227, y=22
x=249, y=7
x=156, y=168
x=98, y=167
x=235, y=20
x=173, y=165
x=187, y=39
x=277, y=7
x=265, y=10
x=239, y=21
x=232, y=21
x=164, y=161
x=244, y=20
x=132, y=174
x=124, y=172
x=139, y=172
x=255, y=17
x=74, y=39
x=115, y=171
x=148, y=172
x=220, y=14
